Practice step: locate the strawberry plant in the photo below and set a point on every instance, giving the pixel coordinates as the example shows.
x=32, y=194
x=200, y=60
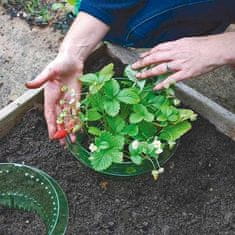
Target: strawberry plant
x=126, y=121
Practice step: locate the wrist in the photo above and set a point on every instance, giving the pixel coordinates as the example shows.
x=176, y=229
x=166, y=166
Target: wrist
x=228, y=51
x=77, y=52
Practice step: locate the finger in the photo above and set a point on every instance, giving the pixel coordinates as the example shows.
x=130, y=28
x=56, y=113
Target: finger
x=51, y=111
x=146, y=53
x=50, y=116
x=170, y=80
x=152, y=59
x=158, y=70
x=46, y=75
x=161, y=47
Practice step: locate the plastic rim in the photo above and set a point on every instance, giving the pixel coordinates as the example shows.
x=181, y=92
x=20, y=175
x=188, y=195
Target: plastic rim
x=124, y=169
x=30, y=189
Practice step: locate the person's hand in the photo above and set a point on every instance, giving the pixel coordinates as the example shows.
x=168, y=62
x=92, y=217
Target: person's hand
x=184, y=58
x=64, y=70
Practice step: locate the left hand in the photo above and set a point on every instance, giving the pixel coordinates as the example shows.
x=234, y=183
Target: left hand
x=185, y=58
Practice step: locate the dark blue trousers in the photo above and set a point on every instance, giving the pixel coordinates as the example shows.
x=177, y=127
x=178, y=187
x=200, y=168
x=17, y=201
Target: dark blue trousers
x=154, y=21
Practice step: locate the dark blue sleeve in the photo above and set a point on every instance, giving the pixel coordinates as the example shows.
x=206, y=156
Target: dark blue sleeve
x=107, y=10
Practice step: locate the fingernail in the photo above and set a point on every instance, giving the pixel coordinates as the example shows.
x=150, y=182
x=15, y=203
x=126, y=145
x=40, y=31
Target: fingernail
x=27, y=84
x=156, y=88
x=138, y=75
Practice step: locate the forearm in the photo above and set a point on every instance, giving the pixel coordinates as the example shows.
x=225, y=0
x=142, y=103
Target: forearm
x=84, y=35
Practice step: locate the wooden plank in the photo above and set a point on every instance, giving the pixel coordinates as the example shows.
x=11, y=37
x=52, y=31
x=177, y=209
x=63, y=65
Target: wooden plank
x=12, y=113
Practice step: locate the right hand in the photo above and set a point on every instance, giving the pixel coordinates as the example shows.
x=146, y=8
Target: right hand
x=64, y=70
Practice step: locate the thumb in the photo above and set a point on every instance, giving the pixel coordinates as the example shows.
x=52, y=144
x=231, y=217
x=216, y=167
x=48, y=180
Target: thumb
x=46, y=75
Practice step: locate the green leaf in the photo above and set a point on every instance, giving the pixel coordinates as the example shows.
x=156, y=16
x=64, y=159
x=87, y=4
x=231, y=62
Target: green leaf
x=136, y=159
x=104, y=137
x=161, y=117
x=106, y=73
x=96, y=101
x=108, y=141
x=82, y=117
x=89, y=78
x=185, y=114
x=170, y=92
x=93, y=115
x=125, y=111
x=94, y=131
x=142, y=111
x=118, y=142
x=164, y=124
x=167, y=110
x=131, y=130
x=158, y=101
x=140, y=108
x=103, y=145
x=173, y=118
x=148, y=117
x=101, y=161
x=117, y=156
x=111, y=107
x=136, y=118
x=116, y=124
x=94, y=88
x=174, y=132
x=131, y=75
x=147, y=129
x=111, y=88
x=129, y=96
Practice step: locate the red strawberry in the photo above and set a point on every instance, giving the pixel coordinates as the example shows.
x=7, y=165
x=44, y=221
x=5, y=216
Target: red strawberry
x=60, y=126
x=60, y=134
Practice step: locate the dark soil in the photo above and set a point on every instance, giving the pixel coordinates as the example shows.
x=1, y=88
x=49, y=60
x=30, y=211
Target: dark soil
x=14, y=222
x=195, y=195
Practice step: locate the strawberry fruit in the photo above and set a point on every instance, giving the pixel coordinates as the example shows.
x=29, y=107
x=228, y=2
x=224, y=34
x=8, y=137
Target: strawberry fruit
x=60, y=134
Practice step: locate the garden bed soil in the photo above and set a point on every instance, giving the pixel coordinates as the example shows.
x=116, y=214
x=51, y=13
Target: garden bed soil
x=24, y=53
x=195, y=195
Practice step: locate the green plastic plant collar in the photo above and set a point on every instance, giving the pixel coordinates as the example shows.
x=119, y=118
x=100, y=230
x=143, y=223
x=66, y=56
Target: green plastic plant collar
x=30, y=189
x=124, y=169
x=77, y=6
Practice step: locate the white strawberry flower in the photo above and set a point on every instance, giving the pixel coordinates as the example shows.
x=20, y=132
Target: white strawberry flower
x=157, y=143
x=72, y=101
x=158, y=151
x=93, y=147
x=135, y=144
x=161, y=170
